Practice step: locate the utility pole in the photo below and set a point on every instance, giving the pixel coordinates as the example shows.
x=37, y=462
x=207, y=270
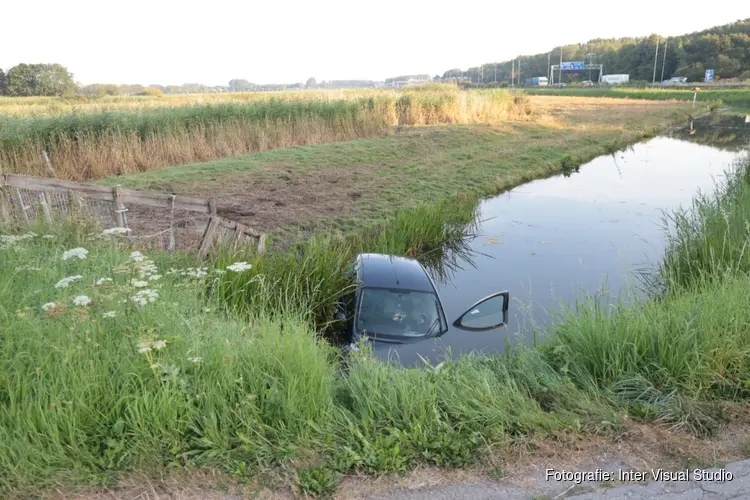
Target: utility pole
x=664, y=61
x=519, y=71
x=549, y=54
x=560, y=82
x=495, y=72
x=512, y=67
x=656, y=58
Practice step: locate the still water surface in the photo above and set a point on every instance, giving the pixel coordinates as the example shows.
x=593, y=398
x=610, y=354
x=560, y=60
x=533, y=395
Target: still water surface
x=553, y=240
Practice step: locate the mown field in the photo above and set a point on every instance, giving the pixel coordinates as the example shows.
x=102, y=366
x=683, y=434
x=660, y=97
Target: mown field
x=112, y=362
x=87, y=142
x=738, y=99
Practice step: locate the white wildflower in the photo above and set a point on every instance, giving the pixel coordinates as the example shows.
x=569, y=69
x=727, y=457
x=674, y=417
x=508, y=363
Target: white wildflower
x=81, y=300
x=219, y=271
x=238, y=267
x=49, y=306
x=137, y=256
x=109, y=314
x=28, y=268
x=49, y=236
x=7, y=240
x=144, y=348
x=116, y=230
x=79, y=253
x=63, y=283
x=159, y=345
x=139, y=284
x=154, y=277
x=196, y=359
x=102, y=281
x=196, y=272
x=143, y=297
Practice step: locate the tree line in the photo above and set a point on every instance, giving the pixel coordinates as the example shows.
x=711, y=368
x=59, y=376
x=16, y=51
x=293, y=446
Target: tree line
x=725, y=49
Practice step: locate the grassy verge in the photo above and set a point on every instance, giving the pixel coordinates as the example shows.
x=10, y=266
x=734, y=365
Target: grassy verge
x=739, y=99
x=96, y=144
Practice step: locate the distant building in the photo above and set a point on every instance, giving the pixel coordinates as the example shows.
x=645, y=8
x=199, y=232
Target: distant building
x=407, y=80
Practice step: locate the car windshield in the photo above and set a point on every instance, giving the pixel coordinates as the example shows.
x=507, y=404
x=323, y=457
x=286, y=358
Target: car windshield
x=394, y=314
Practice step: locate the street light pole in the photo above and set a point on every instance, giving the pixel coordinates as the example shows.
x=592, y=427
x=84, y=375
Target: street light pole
x=664, y=61
x=656, y=59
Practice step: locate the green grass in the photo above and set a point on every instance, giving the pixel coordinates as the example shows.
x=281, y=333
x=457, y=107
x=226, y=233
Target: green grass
x=82, y=402
x=709, y=241
x=358, y=183
x=739, y=98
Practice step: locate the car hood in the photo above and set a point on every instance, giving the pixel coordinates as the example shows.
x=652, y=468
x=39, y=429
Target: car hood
x=435, y=350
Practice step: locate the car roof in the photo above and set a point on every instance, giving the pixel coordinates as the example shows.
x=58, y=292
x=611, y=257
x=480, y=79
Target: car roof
x=390, y=271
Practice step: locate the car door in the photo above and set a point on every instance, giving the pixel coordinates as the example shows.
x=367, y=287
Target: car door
x=486, y=314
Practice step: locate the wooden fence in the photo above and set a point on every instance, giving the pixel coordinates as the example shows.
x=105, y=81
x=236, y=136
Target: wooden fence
x=29, y=198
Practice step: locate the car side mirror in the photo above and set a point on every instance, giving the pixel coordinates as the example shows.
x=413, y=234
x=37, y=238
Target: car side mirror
x=489, y=313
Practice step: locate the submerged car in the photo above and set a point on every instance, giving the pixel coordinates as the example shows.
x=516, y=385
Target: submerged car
x=394, y=301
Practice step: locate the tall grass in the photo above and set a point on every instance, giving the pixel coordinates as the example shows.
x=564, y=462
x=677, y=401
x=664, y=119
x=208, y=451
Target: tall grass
x=96, y=144
x=311, y=276
x=186, y=381
x=710, y=239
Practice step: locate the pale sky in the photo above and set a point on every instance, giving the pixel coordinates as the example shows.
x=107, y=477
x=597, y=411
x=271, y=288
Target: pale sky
x=287, y=41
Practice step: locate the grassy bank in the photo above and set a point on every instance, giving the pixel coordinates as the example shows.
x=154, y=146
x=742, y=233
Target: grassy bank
x=149, y=372
x=96, y=144
x=739, y=98
x=349, y=186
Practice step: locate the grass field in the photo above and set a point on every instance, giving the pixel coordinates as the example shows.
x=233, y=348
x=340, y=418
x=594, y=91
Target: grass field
x=738, y=99
x=148, y=371
x=347, y=186
x=94, y=143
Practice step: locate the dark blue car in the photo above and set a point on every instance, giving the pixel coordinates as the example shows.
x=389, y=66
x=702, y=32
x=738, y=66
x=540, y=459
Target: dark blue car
x=395, y=306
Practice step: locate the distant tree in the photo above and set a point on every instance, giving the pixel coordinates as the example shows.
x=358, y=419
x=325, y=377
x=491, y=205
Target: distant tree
x=726, y=49
x=21, y=80
x=153, y=91
x=3, y=82
x=311, y=83
x=39, y=80
x=131, y=89
x=239, y=85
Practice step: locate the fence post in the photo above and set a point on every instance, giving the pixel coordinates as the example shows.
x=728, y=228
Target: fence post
x=45, y=208
x=22, y=207
x=117, y=203
x=211, y=207
x=208, y=236
x=4, y=210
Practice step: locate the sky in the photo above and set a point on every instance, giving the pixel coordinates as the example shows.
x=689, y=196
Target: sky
x=172, y=42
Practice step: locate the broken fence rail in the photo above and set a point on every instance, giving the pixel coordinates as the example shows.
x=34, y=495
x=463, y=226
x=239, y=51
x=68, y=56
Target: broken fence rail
x=217, y=227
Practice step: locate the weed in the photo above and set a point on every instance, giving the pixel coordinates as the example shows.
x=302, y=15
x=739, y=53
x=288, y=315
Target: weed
x=318, y=481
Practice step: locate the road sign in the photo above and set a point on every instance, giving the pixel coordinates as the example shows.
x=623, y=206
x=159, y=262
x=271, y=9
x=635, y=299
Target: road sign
x=709, y=76
x=569, y=66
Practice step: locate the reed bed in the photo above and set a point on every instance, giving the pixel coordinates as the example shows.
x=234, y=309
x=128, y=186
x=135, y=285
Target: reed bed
x=91, y=145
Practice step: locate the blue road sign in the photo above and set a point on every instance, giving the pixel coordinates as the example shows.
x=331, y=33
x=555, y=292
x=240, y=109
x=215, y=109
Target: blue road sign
x=568, y=66
x=709, y=76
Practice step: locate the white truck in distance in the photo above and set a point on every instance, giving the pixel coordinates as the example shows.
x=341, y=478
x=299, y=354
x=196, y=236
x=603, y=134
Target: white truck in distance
x=615, y=79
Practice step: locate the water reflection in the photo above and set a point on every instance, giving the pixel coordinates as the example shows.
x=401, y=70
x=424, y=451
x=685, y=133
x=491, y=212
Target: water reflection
x=551, y=240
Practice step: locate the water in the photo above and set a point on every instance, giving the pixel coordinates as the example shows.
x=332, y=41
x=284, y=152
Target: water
x=551, y=241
